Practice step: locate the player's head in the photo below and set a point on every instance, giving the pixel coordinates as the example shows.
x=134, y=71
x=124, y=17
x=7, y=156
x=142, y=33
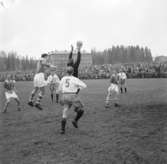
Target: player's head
x=113, y=80
x=79, y=44
x=44, y=56
x=70, y=70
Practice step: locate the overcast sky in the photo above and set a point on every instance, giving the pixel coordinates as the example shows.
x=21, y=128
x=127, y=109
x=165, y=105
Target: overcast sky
x=32, y=27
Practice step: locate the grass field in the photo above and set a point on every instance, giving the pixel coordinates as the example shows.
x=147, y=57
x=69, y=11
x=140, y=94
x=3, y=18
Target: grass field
x=135, y=133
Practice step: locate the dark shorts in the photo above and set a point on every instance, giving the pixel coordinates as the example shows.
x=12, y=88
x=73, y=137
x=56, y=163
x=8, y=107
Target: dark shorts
x=122, y=81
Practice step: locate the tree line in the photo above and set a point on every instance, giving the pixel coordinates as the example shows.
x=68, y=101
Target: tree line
x=121, y=54
x=117, y=54
x=12, y=62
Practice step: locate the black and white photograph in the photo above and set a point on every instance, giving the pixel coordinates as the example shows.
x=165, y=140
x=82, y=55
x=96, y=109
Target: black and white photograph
x=83, y=82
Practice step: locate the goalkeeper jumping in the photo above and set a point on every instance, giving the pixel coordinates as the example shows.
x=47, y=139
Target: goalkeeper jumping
x=75, y=64
x=71, y=62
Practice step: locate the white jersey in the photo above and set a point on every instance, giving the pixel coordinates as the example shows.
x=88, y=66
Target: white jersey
x=71, y=84
x=113, y=88
x=53, y=79
x=122, y=75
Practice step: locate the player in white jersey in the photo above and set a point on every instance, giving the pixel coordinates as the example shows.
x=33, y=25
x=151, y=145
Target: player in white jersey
x=112, y=92
x=122, y=81
x=53, y=81
x=68, y=88
x=39, y=81
x=10, y=93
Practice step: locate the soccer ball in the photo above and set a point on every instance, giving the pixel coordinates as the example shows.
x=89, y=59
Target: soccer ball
x=79, y=43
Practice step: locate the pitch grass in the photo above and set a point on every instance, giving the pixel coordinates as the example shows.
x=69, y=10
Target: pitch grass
x=135, y=133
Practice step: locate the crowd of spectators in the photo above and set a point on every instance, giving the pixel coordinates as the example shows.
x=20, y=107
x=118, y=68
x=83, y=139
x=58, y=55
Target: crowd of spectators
x=143, y=70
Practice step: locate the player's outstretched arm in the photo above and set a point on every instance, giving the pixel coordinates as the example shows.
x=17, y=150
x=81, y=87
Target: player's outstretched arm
x=71, y=52
x=79, y=46
x=52, y=66
x=46, y=64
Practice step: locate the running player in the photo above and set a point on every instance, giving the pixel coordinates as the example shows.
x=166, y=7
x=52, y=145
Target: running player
x=10, y=93
x=122, y=80
x=54, y=81
x=39, y=81
x=68, y=88
x=113, y=92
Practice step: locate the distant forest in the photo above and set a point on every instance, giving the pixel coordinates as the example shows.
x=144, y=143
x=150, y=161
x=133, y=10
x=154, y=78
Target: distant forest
x=121, y=54
x=117, y=54
x=12, y=62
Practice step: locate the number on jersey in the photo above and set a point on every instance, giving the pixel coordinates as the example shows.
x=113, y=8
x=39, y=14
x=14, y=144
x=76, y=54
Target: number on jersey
x=67, y=83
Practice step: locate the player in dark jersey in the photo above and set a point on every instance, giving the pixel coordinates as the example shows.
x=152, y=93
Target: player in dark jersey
x=10, y=93
x=71, y=62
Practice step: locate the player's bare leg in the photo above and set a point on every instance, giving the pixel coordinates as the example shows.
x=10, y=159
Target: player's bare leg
x=64, y=119
x=39, y=98
x=6, y=106
x=31, y=99
x=107, y=102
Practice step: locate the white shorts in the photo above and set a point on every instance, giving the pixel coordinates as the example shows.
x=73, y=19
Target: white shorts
x=71, y=99
x=10, y=95
x=113, y=91
x=39, y=80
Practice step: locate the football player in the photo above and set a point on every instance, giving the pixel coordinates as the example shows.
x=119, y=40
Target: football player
x=122, y=80
x=54, y=81
x=10, y=93
x=68, y=88
x=39, y=81
x=112, y=92
x=71, y=62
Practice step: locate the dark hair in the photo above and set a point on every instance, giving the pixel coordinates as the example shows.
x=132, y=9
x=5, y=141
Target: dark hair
x=44, y=55
x=70, y=70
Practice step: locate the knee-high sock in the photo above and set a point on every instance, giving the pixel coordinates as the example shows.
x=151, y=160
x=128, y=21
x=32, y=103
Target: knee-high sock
x=51, y=96
x=32, y=96
x=80, y=113
x=107, y=98
x=57, y=98
x=63, y=124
